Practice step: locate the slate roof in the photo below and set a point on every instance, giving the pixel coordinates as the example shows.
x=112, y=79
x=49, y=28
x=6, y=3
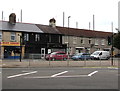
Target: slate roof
x=48, y=29
x=21, y=27
x=83, y=32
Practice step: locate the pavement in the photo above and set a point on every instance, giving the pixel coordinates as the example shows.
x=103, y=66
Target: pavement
x=69, y=63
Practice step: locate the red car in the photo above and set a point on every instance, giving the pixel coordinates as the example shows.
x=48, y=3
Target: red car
x=57, y=56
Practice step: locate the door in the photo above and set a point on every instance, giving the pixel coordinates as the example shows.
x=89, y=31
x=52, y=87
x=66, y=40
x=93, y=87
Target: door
x=42, y=52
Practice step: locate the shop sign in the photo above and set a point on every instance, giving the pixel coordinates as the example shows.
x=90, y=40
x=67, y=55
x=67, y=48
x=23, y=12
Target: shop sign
x=10, y=43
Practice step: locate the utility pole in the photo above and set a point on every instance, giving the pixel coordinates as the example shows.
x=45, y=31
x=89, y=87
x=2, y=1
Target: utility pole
x=93, y=22
x=112, y=45
x=63, y=19
x=2, y=15
x=21, y=15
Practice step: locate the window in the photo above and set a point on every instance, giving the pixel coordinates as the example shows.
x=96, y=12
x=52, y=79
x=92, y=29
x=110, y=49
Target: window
x=102, y=42
x=0, y=35
x=26, y=37
x=96, y=41
x=37, y=37
x=82, y=41
x=12, y=36
x=90, y=41
x=74, y=40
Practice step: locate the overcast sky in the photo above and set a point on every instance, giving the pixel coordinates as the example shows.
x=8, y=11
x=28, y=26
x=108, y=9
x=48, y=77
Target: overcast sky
x=81, y=11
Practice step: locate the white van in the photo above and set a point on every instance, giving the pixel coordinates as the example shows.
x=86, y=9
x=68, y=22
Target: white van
x=100, y=55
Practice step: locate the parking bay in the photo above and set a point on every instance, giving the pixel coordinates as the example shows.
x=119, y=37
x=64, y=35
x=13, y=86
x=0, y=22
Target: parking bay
x=60, y=78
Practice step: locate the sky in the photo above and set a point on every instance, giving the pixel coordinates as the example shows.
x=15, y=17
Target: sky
x=41, y=11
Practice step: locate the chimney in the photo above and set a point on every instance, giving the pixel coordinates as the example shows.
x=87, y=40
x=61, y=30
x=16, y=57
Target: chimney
x=52, y=22
x=12, y=18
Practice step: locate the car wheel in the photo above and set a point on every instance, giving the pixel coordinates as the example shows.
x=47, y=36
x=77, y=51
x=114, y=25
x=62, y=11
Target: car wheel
x=53, y=59
x=64, y=59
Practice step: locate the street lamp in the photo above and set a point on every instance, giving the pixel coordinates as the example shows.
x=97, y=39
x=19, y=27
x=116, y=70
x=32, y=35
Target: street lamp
x=68, y=33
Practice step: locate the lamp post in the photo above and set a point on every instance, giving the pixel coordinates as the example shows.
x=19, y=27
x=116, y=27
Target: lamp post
x=68, y=34
x=112, y=45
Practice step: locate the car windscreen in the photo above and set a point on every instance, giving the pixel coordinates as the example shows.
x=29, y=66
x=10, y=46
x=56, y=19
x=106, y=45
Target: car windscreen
x=96, y=53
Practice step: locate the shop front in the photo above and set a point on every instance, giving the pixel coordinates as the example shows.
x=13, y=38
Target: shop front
x=11, y=50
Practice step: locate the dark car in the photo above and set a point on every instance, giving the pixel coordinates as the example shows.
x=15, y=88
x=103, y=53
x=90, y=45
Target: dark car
x=57, y=56
x=117, y=55
x=81, y=56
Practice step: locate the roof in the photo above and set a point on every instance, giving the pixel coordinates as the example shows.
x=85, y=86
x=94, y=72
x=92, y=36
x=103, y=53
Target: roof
x=48, y=29
x=21, y=27
x=83, y=32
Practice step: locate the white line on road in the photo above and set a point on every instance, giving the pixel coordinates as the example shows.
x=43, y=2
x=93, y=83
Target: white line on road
x=59, y=73
x=22, y=74
x=42, y=77
x=92, y=73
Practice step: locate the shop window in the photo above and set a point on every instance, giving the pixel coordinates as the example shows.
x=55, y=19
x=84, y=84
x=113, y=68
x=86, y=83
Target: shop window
x=12, y=36
x=0, y=36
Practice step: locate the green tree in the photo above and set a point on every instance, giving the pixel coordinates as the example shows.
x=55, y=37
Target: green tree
x=116, y=40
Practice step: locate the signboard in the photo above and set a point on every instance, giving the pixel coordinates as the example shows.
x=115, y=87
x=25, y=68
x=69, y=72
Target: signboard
x=10, y=43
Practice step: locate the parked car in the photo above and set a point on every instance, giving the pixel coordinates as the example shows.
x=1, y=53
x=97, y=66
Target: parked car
x=117, y=55
x=81, y=56
x=100, y=55
x=57, y=56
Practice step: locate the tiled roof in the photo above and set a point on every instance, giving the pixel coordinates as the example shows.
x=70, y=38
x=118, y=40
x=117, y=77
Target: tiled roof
x=22, y=27
x=83, y=32
x=48, y=29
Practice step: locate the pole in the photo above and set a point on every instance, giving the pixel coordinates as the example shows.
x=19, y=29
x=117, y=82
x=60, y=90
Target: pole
x=76, y=24
x=2, y=15
x=20, y=48
x=63, y=19
x=89, y=25
x=112, y=45
x=93, y=22
x=21, y=15
x=68, y=41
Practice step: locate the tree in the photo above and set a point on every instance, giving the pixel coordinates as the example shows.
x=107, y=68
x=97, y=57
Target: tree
x=116, y=41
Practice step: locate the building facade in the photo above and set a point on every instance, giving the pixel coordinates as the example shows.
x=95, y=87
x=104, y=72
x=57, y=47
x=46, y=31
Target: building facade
x=27, y=39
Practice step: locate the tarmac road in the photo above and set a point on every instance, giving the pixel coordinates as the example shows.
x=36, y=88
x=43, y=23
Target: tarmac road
x=60, y=78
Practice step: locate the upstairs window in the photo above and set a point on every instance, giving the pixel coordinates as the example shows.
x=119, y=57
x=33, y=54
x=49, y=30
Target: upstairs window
x=37, y=37
x=90, y=41
x=74, y=40
x=103, y=42
x=13, y=35
x=82, y=40
x=0, y=35
x=26, y=37
x=96, y=42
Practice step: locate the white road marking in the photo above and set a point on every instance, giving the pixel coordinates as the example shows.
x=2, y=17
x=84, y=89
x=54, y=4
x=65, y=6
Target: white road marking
x=42, y=77
x=92, y=73
x=21, y=74
x=39, y=77
x=59, y=73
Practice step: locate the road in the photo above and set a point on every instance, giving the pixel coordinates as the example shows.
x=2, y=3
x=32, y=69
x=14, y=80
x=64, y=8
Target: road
x=60, y=78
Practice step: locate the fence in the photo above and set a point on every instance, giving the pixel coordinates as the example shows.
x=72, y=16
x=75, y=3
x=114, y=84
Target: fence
x=36, y=60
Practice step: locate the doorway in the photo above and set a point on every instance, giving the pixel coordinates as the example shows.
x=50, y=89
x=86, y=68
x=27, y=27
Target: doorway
x=42, y=53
